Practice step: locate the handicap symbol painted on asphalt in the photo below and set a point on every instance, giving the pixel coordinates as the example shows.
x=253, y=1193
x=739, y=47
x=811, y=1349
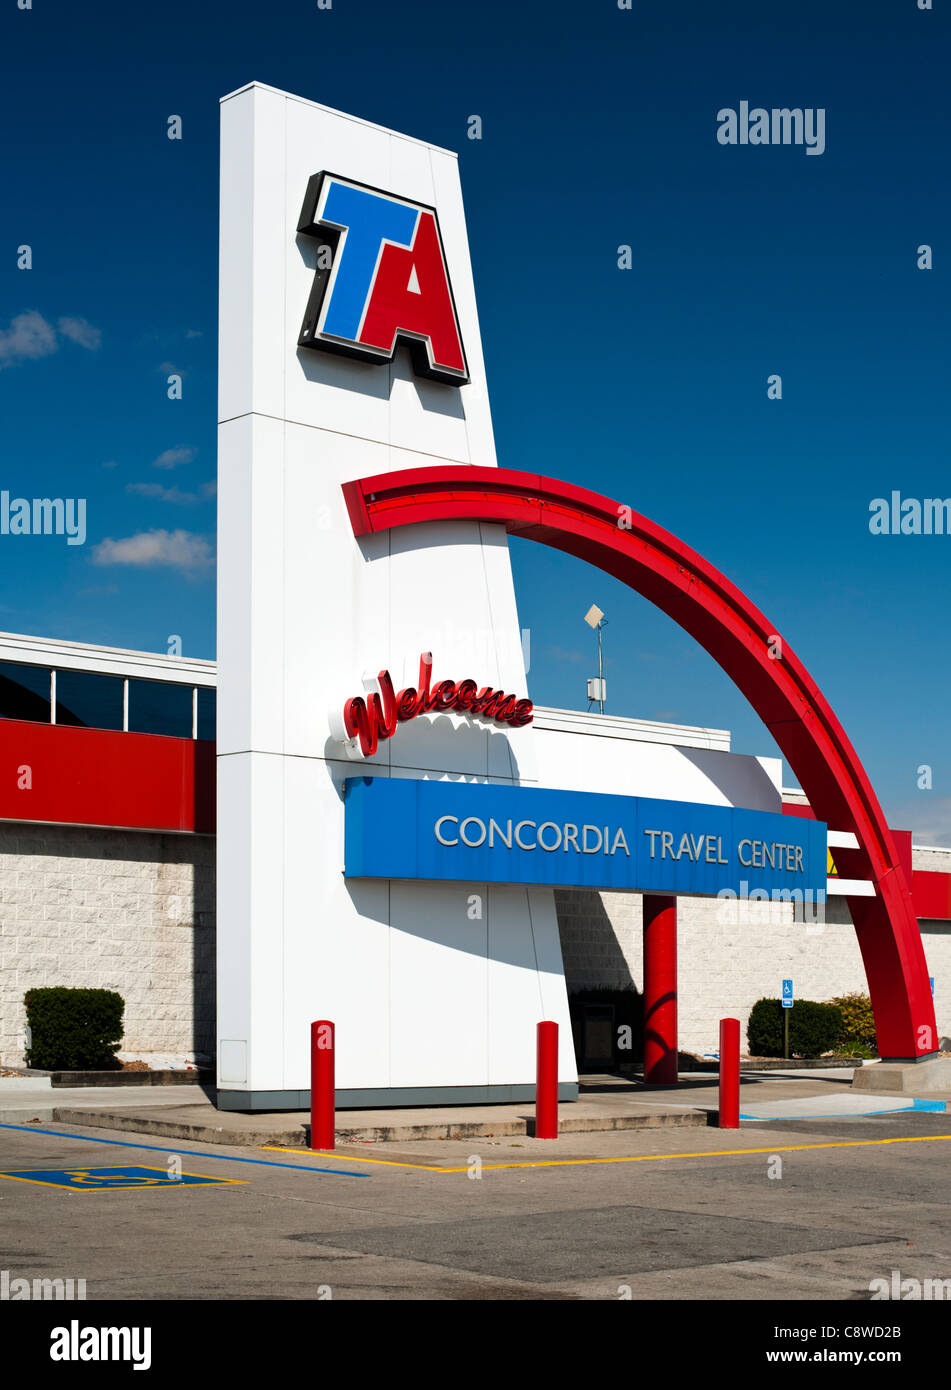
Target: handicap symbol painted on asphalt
x=105, y=1179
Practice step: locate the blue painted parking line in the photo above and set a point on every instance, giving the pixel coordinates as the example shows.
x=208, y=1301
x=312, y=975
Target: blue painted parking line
x=171, y=1149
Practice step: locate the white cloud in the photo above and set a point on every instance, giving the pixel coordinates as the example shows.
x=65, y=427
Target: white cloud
x=30, y=337
x=82, y=332
x=181, y=550
x=97, y=591
x=173, y=458
x=562, y=654
x=162, y=494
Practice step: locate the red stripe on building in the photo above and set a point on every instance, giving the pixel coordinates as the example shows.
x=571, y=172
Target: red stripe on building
x=67, y=775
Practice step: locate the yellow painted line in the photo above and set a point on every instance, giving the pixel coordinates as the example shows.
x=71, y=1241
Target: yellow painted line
x=635, y=1158
x=38, y=1182
x=710, y=1153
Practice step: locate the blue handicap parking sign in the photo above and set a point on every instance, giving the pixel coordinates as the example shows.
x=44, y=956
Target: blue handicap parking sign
x=787, y=994
x=104, y=1179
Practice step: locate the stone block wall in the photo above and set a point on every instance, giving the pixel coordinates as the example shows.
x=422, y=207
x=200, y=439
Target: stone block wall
x=114, y=909
x=729, y=955
x=135, y=912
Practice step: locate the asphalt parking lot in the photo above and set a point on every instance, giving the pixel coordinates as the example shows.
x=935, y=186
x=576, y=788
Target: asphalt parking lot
x=783, y=1210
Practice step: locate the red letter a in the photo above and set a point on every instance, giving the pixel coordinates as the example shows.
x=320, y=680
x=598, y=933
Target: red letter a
x=411, y=295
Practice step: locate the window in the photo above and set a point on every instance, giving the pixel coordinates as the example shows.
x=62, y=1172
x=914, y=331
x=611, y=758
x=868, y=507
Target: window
x=156, y=708
x=24, y=692
x=207, y=707
x=92, y=700
x=89, y=700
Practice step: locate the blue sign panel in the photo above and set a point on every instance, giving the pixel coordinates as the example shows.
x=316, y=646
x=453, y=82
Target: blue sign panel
x=787, y=994
x=478, y=833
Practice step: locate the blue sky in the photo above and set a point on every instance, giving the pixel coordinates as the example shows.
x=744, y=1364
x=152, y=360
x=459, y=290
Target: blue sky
x=648, y=384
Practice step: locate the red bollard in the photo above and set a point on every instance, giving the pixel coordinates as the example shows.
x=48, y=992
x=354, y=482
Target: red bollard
x=546, y=1082
x=322, y=1084
x=729, y=1116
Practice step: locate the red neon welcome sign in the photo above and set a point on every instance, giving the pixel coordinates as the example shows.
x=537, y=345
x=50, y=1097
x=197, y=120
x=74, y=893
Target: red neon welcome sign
x=377, y=716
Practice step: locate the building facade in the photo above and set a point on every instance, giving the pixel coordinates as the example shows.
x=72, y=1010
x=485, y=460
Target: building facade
x=89, y=899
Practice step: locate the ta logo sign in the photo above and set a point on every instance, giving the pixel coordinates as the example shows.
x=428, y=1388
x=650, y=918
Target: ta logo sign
x=381, y=277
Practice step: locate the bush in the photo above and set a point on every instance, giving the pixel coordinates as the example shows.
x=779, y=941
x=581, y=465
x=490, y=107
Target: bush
x=73, y=1029
x=858, y=1021
x=813, y=1028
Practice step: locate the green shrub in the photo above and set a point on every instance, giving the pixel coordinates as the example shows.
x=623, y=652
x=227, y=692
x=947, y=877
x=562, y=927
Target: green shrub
x=73, y=1029
x=764, y=1031
x=858, y=1021
x=853, y=1049
x=813, y=1028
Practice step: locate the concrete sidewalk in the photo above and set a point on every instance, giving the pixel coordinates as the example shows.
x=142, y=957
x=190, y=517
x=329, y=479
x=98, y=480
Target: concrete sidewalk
x=200, y=1122
x=33, y=1098
x=607, y=1103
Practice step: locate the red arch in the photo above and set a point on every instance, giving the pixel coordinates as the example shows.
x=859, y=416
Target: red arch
x=735, y=633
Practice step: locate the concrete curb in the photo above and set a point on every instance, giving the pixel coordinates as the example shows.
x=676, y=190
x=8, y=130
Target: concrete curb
x=699, y=1067
x=297, y=1137
x=179, y=1076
